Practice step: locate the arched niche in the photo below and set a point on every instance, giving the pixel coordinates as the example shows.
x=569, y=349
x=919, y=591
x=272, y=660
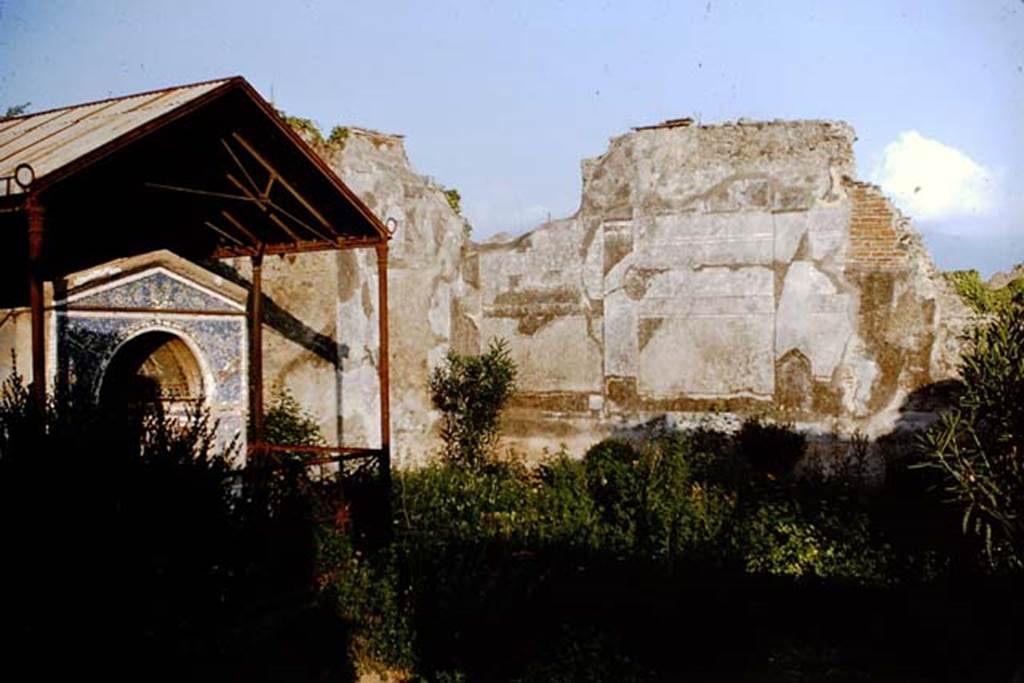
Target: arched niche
x=154, y=370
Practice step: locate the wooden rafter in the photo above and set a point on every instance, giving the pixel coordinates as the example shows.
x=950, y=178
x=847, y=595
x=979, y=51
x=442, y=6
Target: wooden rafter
x=280, y=178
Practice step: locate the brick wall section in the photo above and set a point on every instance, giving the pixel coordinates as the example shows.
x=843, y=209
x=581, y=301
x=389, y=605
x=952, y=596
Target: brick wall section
x=874, y=240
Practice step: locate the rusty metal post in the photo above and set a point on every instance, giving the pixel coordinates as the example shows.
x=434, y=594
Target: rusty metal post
x=35, y=214
x=256, y=351
x=383, y=376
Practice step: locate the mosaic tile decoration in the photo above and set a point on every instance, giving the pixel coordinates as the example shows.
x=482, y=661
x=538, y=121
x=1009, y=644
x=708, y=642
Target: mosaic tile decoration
x=87, y=341
x=155, y=291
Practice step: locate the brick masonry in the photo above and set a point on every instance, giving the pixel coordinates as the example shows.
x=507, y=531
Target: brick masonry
x=874, y=240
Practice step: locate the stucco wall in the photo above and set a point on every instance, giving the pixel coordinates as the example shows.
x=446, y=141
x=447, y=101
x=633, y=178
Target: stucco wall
x=737, y=268
x=709, y=271
x=322, y=309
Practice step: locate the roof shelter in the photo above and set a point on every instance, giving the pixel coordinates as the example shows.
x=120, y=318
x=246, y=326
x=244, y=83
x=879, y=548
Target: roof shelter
x=208, y=171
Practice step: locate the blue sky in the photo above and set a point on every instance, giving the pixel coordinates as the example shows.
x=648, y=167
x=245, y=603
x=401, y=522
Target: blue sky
x=503, y=99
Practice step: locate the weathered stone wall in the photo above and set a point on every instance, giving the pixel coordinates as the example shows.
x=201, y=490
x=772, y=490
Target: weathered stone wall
x=321, y=316
x=710, y=270
x=735, y=268
x=431, y=294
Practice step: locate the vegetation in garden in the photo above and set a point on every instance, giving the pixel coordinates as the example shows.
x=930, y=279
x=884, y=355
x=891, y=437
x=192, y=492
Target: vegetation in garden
x=470, y=392
x=673, y=554
x=978, y=446
x=980, y=296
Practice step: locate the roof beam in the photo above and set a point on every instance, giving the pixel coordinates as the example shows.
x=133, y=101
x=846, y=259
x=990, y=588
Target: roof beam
x=224, y=233
x=256, y=241
x=280, y=178
x=300, y=247
x=266, y=203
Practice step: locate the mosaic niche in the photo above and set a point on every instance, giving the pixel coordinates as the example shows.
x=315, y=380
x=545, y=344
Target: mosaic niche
x=156, y=335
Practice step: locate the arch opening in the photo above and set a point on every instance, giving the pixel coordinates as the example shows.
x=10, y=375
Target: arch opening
x=153, y=371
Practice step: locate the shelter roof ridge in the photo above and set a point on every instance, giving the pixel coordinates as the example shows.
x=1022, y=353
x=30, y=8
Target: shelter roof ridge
x=115, y=98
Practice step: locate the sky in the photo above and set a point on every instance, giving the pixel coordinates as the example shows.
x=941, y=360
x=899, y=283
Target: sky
x=502, y=100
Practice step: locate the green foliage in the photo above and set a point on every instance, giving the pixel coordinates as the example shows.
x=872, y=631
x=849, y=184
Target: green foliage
x=310, y=131
x=566, y=514
x=771, y=449
x=978, y=446
x=306, y=128
x=470, y=392
x=445, y=502
x=783, y=537
x=338, y=137
x=285, y=423
x=650, y=501
x=16, y=110
x=367, y=595
x=977, y=293
x=454, y=200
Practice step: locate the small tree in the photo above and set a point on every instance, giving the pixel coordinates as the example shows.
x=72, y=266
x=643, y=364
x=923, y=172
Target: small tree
x=978, y=446
x=470, y=391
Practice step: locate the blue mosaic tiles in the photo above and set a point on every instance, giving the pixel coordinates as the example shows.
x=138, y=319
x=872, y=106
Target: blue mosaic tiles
x=87, y=340
x=154, y=291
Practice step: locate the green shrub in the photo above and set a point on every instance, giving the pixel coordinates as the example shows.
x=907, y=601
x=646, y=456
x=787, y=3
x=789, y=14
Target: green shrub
x=566, y=515
x=285, y=423
x=978, y=446
x=445, y=501
x=369, y=597
x=977, y=293
x=338, y=137
x=771, y=449
x=649, y=500
x=306, y=128
x=470, y=392
x=782, y=536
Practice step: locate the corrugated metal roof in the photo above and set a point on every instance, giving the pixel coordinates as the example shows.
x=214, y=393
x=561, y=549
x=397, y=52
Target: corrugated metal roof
x=52, y=139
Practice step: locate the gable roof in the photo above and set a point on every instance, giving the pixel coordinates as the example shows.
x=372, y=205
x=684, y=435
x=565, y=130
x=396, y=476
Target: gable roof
x=49, y=141
x=207, y=170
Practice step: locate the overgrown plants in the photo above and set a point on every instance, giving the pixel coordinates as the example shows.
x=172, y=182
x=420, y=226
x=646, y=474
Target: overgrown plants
x=470, y=392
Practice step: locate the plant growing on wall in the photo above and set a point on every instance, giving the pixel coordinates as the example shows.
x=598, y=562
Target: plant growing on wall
x=454, y=199
x=338, y=137
x=16, y=110
x=979, y=295
x=470, y=391
x=978, y=447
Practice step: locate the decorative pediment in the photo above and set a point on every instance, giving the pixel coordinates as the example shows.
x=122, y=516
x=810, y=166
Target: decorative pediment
x=157, y=281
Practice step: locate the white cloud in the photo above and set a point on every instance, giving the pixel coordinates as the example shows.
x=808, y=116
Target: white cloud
x=933, y=181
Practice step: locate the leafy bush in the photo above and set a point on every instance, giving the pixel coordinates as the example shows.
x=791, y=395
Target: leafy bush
x=978, y=446
x=977, y=293
x=470, y=392
x=338, y=137
x=650, y=500
x=567, y=515
x=781, y=536
x=285, y=423
x=771, y=449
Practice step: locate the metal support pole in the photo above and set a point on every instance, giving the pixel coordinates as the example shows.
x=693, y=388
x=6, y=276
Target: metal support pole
x=382, y=368
x=34, y=213
x=256, y=350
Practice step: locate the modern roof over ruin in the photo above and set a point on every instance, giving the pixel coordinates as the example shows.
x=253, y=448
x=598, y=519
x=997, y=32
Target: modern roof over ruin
x=207, y=170
x=51, y=140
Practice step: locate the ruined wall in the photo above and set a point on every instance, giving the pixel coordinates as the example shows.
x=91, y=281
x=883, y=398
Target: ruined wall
x=432, y=301
x=710, y=271
x=321, y=341
x=735, y=268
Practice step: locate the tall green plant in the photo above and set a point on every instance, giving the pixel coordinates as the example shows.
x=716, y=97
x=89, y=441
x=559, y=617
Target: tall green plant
x=470, y=392
x=978, y=446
